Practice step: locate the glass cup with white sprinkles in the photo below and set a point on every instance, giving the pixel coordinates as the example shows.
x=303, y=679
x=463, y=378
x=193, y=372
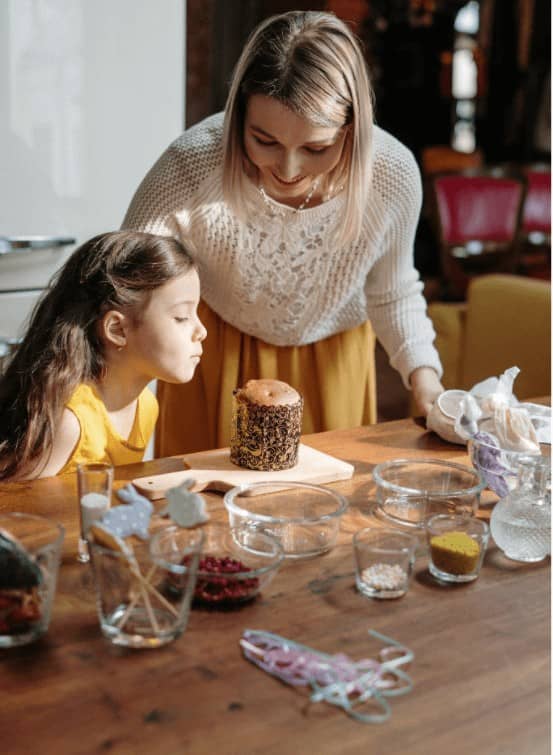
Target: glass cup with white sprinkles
x=94, y=483
x=384, y=560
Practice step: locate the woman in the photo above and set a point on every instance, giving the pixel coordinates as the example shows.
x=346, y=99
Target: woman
x=301, y=216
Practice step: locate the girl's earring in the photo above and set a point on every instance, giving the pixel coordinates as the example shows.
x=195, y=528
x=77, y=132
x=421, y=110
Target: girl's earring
x=119, y=348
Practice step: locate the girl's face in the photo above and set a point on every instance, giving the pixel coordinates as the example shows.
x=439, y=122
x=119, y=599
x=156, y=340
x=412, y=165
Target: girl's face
x=166, y=342
x=289, y=152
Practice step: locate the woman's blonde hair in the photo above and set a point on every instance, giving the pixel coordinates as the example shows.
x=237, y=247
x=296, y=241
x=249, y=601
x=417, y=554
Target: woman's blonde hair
x=313, y=64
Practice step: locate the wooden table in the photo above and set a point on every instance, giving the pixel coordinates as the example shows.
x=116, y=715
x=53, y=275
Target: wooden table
x=481, y=667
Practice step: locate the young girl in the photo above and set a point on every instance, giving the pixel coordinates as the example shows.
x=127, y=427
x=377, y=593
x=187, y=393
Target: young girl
x=304, y=214
x=121, y=312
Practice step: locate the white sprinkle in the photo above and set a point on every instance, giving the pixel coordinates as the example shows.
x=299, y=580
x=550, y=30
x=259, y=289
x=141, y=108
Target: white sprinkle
x=93, y=505
x=384, y=577
x=95, y=501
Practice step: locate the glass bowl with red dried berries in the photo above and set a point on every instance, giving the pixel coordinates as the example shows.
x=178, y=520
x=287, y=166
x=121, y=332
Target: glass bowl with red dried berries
x=30, y=549
x=235, y=565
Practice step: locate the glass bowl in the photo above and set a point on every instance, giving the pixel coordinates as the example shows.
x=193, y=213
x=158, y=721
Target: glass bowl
x=498, y=466
x=408, y=491
x=304, y=518
x=30, y=552
x=236, y=565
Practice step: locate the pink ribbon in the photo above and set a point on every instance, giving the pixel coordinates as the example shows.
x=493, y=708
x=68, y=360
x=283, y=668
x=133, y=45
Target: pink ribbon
x=335, y=678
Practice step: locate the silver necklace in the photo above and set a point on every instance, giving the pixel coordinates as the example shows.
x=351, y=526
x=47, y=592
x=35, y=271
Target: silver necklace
x=293, y=210
x=332, y=193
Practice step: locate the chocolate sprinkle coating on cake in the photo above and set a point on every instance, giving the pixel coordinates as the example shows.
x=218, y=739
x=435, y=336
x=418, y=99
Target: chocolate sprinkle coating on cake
x=266, y=436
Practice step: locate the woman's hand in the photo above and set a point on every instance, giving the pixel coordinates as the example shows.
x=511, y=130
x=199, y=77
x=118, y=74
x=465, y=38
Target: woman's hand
x=426, y=388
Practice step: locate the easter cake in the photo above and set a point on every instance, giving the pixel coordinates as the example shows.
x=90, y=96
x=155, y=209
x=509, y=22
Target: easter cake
x=266, y=425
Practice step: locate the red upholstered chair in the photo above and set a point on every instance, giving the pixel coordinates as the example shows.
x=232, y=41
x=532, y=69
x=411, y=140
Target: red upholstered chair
x=477, y=218
x=437, y=160
x=535, y=224
x=440, y=160
x=536, y=212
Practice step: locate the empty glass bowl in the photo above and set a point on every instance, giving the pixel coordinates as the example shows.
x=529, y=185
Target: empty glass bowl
x=304, y=518
x=408, y=491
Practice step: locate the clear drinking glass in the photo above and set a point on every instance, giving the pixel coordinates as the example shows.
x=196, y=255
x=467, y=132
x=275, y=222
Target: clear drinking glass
x=144, y=592
x=30, y=550
x=384, y=560
x=457, y=545
x=94, y=483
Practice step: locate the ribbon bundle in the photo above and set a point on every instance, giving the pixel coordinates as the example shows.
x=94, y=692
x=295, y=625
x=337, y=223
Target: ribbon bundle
x=336, y=679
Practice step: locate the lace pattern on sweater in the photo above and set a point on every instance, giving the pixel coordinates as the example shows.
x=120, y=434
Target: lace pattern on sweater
x=278, y=275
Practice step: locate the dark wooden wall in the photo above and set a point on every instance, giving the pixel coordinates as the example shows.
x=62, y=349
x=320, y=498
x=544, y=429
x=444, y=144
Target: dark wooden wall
x=216, y=33
x=406, y=61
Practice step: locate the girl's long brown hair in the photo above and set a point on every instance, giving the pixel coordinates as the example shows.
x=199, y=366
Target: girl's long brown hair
x=62, y=347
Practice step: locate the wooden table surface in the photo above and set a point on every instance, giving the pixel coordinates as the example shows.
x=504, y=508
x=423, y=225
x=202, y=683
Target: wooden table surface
x=481, y=666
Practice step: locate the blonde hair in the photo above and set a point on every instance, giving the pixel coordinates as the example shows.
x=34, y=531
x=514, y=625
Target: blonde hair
x=313, y=64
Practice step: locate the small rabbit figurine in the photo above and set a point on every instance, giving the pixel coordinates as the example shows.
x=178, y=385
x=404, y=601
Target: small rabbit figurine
x=185, y=508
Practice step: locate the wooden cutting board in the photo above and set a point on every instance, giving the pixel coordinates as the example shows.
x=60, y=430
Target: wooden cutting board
x=213, y=470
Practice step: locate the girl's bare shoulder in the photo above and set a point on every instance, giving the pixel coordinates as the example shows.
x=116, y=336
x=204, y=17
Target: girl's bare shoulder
x=66, y=437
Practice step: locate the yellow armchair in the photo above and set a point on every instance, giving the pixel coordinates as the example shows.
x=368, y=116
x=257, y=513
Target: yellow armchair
x=505, y=321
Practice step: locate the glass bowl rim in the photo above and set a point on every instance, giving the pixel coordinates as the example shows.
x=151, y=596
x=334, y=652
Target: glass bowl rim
x=478, y=442
x=22, y=515
x=260, y=570
x=181, y=569
x=458, y=518
x=128, y=555
x=277, y=557
x=410, y=539
x=385, y=465
x=233, y=508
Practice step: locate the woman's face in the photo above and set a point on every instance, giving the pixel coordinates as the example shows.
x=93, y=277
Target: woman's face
x=289, y=152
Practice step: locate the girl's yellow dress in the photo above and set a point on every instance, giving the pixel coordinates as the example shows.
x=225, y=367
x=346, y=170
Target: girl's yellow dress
x=336, y=377
x=99, y=441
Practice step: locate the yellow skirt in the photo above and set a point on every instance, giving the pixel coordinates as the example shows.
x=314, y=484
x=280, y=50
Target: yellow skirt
x=336, y=377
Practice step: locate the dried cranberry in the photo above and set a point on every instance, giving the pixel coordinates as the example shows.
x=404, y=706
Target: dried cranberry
x=213, y=588
x=218, y=590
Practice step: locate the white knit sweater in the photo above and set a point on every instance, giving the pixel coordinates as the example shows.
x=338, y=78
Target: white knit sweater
x=279, y=277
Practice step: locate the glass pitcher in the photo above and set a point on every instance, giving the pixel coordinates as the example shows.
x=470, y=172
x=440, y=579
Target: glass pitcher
x=521, y=521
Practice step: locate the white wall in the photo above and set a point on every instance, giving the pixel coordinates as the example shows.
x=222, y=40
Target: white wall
x=92, y=91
